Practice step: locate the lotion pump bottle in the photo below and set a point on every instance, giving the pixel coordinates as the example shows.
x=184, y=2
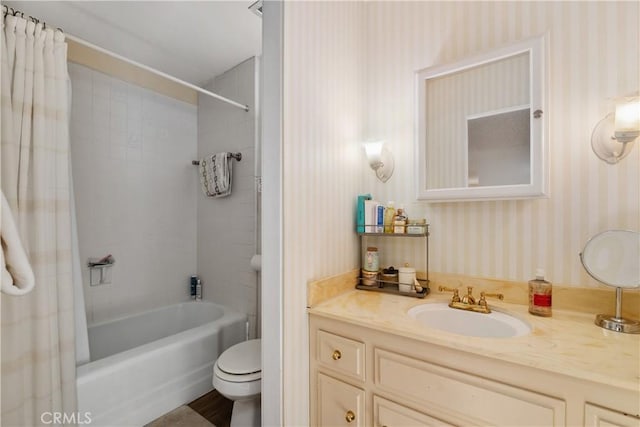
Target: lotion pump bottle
x=540, y=295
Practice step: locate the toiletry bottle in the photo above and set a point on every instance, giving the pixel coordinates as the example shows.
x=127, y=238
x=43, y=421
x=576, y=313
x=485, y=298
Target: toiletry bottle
x=389, y=213
x=400, y=222
x=198, y=290
x=194, y=282
x=540, y=295
x=371, y=260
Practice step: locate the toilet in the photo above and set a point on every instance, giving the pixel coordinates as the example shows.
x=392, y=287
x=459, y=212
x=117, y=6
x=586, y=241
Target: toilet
x=237, y=375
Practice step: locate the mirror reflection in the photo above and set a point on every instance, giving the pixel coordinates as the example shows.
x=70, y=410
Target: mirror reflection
x=473, y=123
x=498, y=146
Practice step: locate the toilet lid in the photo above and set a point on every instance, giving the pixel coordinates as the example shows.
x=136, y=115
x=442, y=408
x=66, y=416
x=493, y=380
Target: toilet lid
x=241, y=359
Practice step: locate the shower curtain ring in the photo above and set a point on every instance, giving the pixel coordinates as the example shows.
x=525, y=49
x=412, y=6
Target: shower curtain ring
x=6, y=10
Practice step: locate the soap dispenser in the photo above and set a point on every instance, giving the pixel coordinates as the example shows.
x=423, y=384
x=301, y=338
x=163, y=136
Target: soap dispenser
x=540, y=295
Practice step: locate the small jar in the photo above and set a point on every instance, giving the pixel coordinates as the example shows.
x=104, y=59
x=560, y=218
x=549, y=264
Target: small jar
x=406, y=277
x=371, y=261
x=389, y=275
x=417, y=226
x=369, y=278
x=399, y=226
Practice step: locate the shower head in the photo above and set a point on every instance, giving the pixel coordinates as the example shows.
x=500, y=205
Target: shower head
x=256, y=8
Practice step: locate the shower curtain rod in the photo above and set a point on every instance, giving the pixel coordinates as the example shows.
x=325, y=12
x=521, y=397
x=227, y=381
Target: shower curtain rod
x=157, y=72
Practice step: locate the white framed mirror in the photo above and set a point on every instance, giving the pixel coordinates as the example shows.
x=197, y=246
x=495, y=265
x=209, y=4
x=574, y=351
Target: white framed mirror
x=482, y=126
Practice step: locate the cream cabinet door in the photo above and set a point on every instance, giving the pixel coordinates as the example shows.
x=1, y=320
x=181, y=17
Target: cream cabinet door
x=485, y=402
x=341, y=354
x=339, y=404
x=596, y=416
x=390, y=414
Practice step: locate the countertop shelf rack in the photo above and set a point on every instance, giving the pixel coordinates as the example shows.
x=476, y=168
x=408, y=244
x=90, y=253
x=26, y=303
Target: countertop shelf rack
x=392, y=287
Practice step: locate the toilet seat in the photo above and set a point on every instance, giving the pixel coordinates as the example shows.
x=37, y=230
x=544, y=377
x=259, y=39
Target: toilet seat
x=240, y=363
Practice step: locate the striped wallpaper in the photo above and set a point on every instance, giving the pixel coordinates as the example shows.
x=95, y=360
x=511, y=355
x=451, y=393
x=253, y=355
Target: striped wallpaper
x=323, y=167
x=348, y=76
x=593, y=58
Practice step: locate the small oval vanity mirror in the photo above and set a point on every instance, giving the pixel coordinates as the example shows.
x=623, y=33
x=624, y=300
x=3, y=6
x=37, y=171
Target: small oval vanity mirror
x=612, y=257
x=482, y=126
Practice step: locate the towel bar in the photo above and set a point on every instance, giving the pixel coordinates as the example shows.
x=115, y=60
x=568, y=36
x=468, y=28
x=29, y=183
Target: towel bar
x=237, y=156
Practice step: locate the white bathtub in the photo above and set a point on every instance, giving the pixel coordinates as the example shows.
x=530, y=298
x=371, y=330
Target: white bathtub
x=145, y=365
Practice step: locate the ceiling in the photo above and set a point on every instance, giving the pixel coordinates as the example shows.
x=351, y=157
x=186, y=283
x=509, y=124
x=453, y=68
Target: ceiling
x=191, y=40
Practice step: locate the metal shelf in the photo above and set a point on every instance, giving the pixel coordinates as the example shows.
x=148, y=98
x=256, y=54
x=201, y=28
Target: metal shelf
x=392, y=287
x=425, y=234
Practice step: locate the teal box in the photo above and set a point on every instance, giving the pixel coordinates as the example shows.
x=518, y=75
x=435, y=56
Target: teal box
x=360, y=212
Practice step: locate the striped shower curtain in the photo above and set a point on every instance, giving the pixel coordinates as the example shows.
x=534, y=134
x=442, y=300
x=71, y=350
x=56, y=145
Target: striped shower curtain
x=38, y=361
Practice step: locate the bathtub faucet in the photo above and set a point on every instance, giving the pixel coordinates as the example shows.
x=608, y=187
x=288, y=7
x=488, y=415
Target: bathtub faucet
x=100, y=262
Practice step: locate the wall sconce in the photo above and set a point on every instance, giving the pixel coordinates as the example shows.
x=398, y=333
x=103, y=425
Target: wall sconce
x=614, y=136
x=380, y=159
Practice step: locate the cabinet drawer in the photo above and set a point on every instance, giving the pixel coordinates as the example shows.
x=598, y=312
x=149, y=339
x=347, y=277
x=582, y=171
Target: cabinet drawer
x=339, y=404
x=596, y=416
x=341, y=354
x=390, y=414
x=467, y=397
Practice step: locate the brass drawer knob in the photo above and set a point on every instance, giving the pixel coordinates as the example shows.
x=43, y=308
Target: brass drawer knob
x=336, y=355
x=350, y=416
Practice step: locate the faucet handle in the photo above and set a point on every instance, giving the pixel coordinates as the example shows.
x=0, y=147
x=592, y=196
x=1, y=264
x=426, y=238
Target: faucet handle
x=456, y=295
x=483, y=299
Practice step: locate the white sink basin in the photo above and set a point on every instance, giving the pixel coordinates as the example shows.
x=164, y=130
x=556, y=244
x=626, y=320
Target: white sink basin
x=493, y=325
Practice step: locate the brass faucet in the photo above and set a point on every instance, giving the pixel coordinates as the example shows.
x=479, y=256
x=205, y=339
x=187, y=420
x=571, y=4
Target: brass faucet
x=468, y=298
x=468, y=302
x=456, y=296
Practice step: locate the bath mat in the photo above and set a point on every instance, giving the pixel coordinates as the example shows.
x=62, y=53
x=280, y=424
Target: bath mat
x=180, y=417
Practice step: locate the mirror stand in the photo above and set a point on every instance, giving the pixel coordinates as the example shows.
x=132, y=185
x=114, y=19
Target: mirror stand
x=617, y=322
x=611, y=257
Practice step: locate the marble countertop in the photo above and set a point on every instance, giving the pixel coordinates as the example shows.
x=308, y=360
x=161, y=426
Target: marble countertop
x=568, y=343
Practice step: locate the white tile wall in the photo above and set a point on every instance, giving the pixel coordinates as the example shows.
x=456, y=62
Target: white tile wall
x=227, y=226
x=135, y=192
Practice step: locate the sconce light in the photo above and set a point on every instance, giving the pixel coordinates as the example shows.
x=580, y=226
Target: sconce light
x=380, y=159
x=614, y=136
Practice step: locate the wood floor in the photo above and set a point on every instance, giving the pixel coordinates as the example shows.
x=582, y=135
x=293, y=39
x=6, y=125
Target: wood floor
x=214, y=407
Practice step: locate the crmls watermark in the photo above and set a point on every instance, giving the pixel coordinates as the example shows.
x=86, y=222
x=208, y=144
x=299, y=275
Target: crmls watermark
x=79, y=418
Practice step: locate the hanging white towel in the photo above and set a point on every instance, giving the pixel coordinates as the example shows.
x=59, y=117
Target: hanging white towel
x=17, y=275
x=216, y=174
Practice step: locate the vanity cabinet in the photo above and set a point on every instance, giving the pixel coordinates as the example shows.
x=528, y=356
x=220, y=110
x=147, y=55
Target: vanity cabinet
x=388, y=413
x=386, y=379
x=339, y=403
x=596, y=416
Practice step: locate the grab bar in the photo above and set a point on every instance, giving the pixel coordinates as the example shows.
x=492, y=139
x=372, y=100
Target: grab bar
x=237, y=156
